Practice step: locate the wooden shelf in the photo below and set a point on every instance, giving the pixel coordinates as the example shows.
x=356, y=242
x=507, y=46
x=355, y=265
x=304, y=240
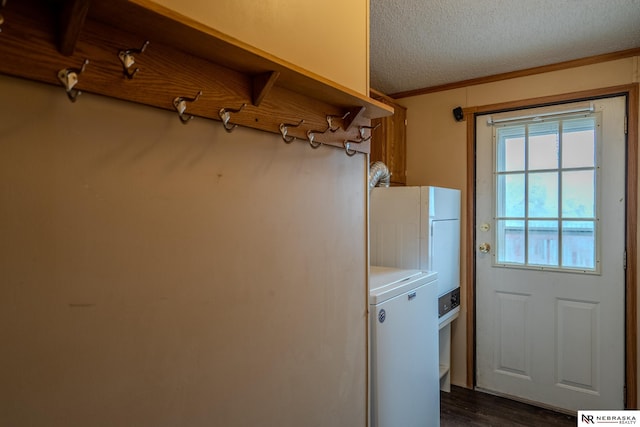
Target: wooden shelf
x=444, y=348
x=449, y=317
x=39, y=38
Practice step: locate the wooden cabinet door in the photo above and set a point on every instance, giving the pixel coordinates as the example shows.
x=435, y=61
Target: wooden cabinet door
x=397, y=146
x=388, y=142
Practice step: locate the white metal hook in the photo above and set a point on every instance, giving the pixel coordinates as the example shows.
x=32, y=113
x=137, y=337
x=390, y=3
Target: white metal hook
x=128, y=60
x=225, y=116
x=311, y=135
x=69, y=79
x=361, y=130
x=330, y=121
x=180, y=104
x=284, y=128
x=347, y=144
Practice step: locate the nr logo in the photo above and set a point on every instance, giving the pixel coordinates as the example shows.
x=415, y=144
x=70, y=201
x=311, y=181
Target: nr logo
x=587, y=419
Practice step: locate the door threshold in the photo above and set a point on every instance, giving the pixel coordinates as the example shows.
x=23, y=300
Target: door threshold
x=527, y=401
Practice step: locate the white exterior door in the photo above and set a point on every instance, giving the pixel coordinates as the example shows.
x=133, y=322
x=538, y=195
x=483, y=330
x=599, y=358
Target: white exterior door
x=550, y=224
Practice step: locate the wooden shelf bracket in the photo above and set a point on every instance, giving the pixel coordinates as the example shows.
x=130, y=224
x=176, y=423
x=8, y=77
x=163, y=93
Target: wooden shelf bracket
x=72, y=19
x=262, y=84
x=354, y=115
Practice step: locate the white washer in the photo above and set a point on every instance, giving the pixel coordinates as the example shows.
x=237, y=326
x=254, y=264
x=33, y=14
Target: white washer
x=405, y=386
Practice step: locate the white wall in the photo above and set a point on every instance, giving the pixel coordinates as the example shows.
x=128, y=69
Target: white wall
x=329, y=38
x=156, y=274
x=436, y=143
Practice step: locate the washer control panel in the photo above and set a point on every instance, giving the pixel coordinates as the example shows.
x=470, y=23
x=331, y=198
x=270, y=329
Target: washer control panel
x=448, y=302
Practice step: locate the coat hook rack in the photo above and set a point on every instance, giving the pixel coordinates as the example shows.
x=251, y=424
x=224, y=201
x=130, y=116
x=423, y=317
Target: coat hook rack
x=69, y=78
x=225, y=116
x=284, y=128
x=180, y=104
x=330, y=121
x=128, y=60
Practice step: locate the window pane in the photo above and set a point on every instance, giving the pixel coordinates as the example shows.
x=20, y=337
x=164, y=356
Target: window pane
x=578, y=194
x=578, y=143
x=546, y=193
x=511, y=195
x=543, y=243
x=510, y=241
x=543, y=146
x=578, y=244
x=543, y=195
x=510, y=149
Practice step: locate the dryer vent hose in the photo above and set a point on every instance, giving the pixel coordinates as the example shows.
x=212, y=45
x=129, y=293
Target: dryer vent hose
x=379, y=175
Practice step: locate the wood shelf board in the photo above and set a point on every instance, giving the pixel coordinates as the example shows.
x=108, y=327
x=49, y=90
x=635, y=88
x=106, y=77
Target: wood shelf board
x=164, y=25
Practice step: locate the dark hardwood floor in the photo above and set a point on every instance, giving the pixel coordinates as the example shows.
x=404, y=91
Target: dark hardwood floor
x=464, y=407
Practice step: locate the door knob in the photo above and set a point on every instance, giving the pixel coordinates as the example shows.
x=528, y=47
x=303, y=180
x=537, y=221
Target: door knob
x=484, y=248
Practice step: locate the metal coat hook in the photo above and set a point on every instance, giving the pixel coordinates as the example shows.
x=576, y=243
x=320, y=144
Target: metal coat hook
x=3, y=3
x=69, y=78
x=180, y=104
x=128, y=60
x=284, y=127
x=347, y=144
x=311, y=135
x=361, y=130
x=225, y=116
x=330, y=121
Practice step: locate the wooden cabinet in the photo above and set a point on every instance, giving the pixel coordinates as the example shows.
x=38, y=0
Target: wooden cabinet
x=389, y=140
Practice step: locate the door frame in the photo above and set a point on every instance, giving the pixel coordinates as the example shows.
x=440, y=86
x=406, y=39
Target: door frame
x=631, y=92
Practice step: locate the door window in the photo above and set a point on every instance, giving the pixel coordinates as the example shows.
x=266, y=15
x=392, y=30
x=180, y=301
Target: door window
x=546, y=193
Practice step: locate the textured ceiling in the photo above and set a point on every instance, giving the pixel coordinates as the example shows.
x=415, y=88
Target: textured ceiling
x=417, y=44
